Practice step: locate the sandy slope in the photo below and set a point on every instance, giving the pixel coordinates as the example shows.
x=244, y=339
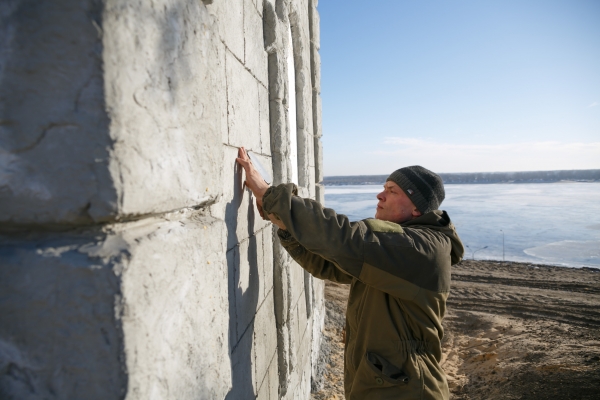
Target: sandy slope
x=513, y=331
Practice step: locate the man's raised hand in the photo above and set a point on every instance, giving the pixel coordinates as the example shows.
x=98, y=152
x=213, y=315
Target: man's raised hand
x=254, y=181
x=256, y=184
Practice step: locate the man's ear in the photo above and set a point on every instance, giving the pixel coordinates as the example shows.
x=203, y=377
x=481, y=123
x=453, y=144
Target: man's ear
x=416, y=213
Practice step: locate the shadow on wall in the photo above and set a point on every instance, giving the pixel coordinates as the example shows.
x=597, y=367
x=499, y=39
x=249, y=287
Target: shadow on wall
x=242, y=267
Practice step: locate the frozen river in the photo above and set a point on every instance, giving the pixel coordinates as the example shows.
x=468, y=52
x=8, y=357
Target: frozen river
x=551, y=223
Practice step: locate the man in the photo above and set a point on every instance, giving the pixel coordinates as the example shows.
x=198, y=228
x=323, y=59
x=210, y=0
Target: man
x=398, y=266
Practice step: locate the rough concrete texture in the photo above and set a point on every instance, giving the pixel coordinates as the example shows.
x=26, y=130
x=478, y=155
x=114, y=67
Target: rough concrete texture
x=299, y=21
x=52, y=102
x=164, y=79
x=294, y=361
x=59, y=334
x=175, y=308
x=133, y=263
x=318, y=154
x=127, y=102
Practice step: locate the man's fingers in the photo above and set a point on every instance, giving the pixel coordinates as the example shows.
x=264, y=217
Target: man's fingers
x=242, y=162
x=254, y=180
x=242, y=156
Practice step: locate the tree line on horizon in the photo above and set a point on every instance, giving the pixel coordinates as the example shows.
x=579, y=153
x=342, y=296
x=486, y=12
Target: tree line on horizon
x=585, y=175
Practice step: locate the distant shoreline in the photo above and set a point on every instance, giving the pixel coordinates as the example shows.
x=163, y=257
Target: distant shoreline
x=586, y=175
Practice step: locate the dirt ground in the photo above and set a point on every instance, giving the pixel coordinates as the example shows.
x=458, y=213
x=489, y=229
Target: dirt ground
x=512, y=331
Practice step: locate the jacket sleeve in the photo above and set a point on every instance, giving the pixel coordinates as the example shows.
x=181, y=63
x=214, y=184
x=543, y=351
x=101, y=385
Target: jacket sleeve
x=316, y=265
x=319, y=230
x=378, y=253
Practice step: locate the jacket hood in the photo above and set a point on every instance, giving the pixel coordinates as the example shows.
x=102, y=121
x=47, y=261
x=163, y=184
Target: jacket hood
x=439, y=220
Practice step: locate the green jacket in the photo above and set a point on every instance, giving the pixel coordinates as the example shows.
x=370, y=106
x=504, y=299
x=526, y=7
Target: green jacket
x=400, y=277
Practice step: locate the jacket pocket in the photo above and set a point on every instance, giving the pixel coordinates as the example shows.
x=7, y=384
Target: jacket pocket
x=378, y=378
x=385, y=370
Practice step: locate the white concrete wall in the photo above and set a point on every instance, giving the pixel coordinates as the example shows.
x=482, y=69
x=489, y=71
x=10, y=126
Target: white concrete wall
x=132, y=261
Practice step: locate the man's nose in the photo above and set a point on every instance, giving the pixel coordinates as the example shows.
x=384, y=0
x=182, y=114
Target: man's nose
x=380, y=197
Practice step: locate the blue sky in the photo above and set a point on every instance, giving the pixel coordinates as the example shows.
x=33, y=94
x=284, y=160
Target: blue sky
x=460, y=86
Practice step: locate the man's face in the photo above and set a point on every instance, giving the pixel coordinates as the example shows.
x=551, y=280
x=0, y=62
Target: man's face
x=394, y=205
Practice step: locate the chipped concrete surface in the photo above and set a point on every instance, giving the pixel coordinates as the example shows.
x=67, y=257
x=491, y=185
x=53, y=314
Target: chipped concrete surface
x=52, y=102
x=133, y=263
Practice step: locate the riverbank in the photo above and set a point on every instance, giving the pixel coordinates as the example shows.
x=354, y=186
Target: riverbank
x=512, y=331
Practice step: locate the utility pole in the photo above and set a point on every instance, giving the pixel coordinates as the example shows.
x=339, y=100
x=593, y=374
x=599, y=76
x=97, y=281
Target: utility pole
x=473, y=252
x=502, y=244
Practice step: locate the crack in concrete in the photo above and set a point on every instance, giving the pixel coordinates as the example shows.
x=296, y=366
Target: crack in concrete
x=41, y=137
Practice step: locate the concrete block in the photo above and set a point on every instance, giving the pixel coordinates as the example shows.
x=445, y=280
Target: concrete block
x=319, y=286
x=304, y=386
x=280, y=148
x=263, y=392
x=258, y=4
x=296, y=283
x=283, y=359
x=315, y=25
x=303, y=98
x=267, y=241
x=264, y=121
x=232, y=259
x=247, y=290
x=299, y=385
x=302, y=65
x=58, y=327
x=318, y=322
x=292, y=326
x=318, y=159
x=237, y=205
x=277, y=76
x=273, y=380
x=255, y=54
x=221, y=97
x=302, y=320
x=265, y=263
x=306, y=354
x=270, y=24
x=262, y=265
x=303, y=192
x=285, y=317
x=243, y=106
x=54, y=141
x=310, y=149
x=230, y=21
x=315, y=61
x=317, y=115
x=304, y=145
x=242, y=372
x=320, y=193
x=281, y=283
x=142, y=309
x=163, y=77
x=308, y=293
x=311, y=183
x=265, y=342
x=175, y=306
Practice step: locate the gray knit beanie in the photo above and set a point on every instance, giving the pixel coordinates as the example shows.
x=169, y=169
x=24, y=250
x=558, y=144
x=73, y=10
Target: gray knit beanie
x=423, y=187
